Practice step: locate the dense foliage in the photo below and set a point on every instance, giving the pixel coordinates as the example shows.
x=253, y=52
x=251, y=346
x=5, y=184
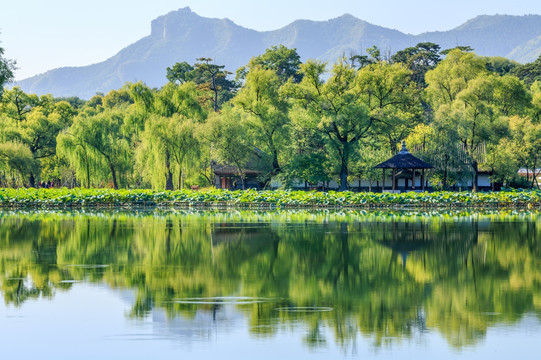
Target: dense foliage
x=307, y=123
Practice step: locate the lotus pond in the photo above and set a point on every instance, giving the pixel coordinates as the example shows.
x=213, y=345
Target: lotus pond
x=270, y=284
x=89, y=198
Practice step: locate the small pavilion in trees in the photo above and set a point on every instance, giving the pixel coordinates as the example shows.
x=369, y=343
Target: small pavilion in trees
x=404, y=166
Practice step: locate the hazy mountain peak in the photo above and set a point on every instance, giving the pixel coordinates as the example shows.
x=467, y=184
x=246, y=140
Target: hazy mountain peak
x=183, y=35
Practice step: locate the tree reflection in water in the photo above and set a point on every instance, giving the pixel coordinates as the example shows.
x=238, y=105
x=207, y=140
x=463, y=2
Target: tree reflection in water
x=384, y=275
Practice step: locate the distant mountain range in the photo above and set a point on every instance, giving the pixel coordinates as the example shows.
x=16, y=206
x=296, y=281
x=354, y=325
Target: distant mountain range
x=183, y=35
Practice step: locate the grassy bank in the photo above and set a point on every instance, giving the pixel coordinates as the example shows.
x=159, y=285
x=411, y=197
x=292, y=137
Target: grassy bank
x=82, y=198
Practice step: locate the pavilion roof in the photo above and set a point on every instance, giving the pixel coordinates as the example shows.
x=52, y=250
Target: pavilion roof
x=404, y=160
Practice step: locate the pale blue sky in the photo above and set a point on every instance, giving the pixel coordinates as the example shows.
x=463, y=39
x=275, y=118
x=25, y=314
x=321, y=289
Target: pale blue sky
x=42, y=35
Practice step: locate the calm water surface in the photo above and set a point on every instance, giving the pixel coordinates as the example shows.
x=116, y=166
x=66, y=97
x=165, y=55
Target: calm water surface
x=270, y=285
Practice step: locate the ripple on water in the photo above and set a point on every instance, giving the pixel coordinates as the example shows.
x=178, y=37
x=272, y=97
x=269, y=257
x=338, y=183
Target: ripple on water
x=224, y=300
x=305, y=309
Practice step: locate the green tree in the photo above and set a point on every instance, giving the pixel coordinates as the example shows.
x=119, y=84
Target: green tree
x=115, y=98
x=167, y=145
x=535, y=91
x=228, y=136
x=179, y=73
x=177, y=99
x=452, y=75
x=479, y=111
x=525, y=142
x=213, y=78
x=35, y=121
x=500, y=65
x=343, y=118
x=465, y=96
x=16, y=104
x=16, y=158
x=363, y=167
x=503, y=162
x=419, y=59
x=393, y=100
x=78, y=154
x=268, y=111
x=306, y=158
x=7, y=67
x=283, y=61
x=529, y=73
x=103, y=145
x=439, y=145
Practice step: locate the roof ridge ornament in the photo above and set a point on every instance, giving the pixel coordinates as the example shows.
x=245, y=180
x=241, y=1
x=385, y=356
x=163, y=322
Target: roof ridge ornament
x=404, y=149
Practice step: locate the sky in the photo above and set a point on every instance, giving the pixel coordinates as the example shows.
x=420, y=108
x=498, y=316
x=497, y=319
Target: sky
x=41, y=35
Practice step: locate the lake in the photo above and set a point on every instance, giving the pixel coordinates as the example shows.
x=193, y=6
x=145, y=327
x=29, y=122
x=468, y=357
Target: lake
x=270, y=285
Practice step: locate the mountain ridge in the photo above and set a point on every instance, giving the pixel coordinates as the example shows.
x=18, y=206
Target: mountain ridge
x=183, y=35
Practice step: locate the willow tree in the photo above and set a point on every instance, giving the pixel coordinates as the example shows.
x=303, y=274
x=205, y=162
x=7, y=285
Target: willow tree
x=227, y=132
x=526, y=145
x=267, y=109
x=480, y=114
x=168, y=143
x=103, y=149
x=452, y=75
x=78, y=155
x=16, y=159
x=168, y=146
x=466, y=97
x=178, y=99
x=342, y=116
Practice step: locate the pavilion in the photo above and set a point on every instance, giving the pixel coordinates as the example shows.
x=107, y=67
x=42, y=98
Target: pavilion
x=404, y=166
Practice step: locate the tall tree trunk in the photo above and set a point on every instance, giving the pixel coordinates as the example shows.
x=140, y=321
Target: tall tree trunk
x=113, y=174
x=344, y=167
x=534, y=174
x=275, y=166
x=444, y=183
x=168, y=173
x=87, y=175
x=215, y=99
x=343, y=177
x=475, y=184
x=32, y=180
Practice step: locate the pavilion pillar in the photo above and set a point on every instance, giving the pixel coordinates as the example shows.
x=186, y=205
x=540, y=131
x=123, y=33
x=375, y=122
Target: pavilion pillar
x=383, y=183
x=394, y=179
x=423, y=180
x=413, y=179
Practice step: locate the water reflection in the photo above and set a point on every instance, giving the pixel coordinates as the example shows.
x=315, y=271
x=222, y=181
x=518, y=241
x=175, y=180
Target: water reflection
x=386, y=276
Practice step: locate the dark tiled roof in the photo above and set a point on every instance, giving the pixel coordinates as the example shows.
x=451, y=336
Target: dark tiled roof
x=233, y=171
x=404, y=160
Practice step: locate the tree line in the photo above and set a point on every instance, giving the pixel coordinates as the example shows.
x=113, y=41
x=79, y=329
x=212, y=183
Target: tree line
x=307, y=122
